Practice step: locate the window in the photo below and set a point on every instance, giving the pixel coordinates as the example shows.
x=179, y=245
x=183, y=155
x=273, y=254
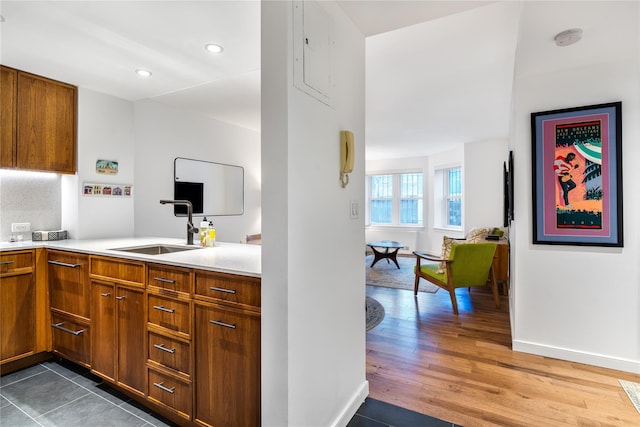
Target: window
x=448, y=197
x=395, y=199
x=453, y=193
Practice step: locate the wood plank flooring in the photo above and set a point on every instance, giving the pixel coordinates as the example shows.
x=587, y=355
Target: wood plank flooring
x=462, y=369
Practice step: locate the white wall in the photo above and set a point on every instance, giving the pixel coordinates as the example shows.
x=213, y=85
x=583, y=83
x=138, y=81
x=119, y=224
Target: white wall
x=483, y=183
x=105, y=132
x=313, y=282
x=163, y=133
x=578, y=303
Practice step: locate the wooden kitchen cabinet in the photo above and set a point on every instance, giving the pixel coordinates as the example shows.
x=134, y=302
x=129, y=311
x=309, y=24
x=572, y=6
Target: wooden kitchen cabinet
x=70, y=303
x=227, y=366
x=227, y=349
x=18, y=302
x=43, y=114
x=118, y=335
x=8, y=94
x=103, y=320
x=169, y=329
x=118, y=322
x=69, y=283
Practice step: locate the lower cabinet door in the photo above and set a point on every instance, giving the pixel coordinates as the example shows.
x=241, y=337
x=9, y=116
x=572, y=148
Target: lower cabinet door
x=131, y=338
x=71, y=338
x=170, y=392
x=227, y=366
x=17, y=317
x=103, y=341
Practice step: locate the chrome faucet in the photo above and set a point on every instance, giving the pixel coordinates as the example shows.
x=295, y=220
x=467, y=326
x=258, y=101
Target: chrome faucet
x=191, y=230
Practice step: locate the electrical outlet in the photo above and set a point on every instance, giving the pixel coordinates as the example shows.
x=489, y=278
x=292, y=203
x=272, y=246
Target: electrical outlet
x=20, y=227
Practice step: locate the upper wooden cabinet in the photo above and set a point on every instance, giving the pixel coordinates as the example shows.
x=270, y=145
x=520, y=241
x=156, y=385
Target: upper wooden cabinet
x=8, y=92
x=39, y=123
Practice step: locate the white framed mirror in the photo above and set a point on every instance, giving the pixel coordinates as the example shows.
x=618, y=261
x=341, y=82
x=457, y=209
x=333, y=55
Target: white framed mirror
x=214, y=189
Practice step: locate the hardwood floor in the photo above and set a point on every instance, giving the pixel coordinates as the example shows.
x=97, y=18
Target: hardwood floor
x=462, y=369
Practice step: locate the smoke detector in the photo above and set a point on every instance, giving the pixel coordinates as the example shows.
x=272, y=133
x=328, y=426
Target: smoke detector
x=568, y=37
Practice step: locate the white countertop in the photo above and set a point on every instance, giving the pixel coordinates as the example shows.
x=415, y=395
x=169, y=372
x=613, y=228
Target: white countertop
x=235, y=258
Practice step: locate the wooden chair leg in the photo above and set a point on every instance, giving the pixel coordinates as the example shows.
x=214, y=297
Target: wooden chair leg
x=454, y=303
x=415, y=286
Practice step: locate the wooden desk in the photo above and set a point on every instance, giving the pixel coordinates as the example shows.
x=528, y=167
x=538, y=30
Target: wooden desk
x=501, y=264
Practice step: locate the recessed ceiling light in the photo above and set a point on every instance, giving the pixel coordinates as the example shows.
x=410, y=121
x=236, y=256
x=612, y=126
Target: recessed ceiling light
x=143, y=73
x=214, y=48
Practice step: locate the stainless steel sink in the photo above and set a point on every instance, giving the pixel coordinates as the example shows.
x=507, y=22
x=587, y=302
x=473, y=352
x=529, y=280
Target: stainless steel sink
x=156, y=249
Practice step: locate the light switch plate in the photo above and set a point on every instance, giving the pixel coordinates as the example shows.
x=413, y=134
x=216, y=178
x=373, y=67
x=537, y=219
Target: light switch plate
x=354, y=209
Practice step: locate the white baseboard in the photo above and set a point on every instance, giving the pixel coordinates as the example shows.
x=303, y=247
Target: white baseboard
x=617, y=363
x=352, y=406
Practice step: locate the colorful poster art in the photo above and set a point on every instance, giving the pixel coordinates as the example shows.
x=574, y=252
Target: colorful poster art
x=577, y=176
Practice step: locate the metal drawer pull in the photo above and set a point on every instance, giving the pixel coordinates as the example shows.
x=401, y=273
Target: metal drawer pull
x=63, y=329
x=161, y=387
x=6, y=262
x=105, y=295
x=163, y=280
x=64, y=264
x=120, y=298
x=163, y=348
x=161, y=308
x=229, y=291
x=219, y=323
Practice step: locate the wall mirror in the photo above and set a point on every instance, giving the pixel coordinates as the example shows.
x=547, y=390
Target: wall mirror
x=214, y=189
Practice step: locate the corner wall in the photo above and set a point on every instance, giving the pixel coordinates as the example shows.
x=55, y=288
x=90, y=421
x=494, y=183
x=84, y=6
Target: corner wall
x=105, y=132
x=163, y=133
x=313, y=278
x=570, y=302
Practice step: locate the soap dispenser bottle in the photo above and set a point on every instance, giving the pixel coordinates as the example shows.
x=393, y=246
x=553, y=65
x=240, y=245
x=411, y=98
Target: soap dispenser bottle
x=211, y=241
x=204, y=232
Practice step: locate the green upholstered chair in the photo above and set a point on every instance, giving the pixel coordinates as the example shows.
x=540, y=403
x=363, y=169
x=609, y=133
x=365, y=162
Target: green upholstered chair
x=469, y=264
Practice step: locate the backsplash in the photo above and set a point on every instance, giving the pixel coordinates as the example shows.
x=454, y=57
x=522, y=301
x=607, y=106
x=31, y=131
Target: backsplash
x=32, y=197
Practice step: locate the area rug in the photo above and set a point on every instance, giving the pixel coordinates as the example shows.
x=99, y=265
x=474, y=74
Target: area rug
x=374, y=312
x=387, y=275
x=633, y=391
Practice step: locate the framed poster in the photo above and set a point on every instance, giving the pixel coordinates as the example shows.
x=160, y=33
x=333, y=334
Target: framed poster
x=577, y=176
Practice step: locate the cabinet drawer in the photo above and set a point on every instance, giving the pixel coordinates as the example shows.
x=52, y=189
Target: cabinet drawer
x=169, y=313
x=69, y=289
x=170, y=352
x=228, y=287
x=16, y=262
x=117, y=270
x=71, y=338
x=169, y=278
x=170, y=392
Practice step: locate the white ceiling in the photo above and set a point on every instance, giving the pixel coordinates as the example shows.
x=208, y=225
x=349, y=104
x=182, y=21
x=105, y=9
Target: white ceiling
x=98, y=45
x=443, y=78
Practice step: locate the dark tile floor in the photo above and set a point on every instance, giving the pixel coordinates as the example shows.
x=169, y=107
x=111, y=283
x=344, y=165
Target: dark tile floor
x=61, y=394
x=374, y=413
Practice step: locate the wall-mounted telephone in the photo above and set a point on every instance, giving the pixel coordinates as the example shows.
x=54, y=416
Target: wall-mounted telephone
x=347, y=154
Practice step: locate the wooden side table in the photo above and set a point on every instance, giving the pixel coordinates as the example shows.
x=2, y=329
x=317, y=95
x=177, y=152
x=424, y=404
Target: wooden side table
x=390, y=252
